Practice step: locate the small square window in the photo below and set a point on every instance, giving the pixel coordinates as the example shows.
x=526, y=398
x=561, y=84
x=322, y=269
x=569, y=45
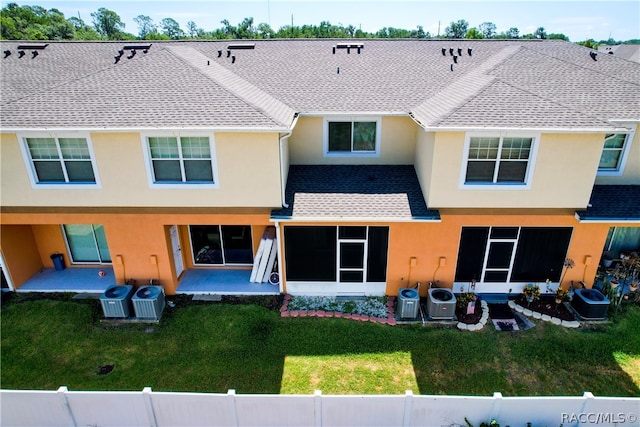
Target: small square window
x=352, y=137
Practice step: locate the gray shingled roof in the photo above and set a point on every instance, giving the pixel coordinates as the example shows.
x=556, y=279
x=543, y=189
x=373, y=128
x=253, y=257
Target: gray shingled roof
x=502, y=83
x=613, y=203
x=353, y=192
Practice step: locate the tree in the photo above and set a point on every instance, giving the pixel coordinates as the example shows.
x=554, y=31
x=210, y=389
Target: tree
x=245, y=29
x=265, y=31
x=107, y=23
x=456, y=30
x=473, y=33
x=171, y=29
x=488, y=29
x=34, y=23
x=557, y=36
x=145, y=26
x=540, y=33
x=512, y=33
x=193, y=30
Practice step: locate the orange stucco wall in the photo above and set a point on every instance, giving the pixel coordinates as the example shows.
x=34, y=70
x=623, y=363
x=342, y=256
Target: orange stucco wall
x=429, y=242
x=20, y=252
x=136, y=241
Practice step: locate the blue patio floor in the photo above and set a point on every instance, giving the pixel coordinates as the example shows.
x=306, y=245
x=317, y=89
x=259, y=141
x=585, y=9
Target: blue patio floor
x=222, y=282
x=77, y=280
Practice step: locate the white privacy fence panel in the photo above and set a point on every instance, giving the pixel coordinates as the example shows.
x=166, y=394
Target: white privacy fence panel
x=451, y=410
x=117, y=409
x=275, y=410
x=192, y=409
x=363, y=410
x=132, y=409
x=33, y=408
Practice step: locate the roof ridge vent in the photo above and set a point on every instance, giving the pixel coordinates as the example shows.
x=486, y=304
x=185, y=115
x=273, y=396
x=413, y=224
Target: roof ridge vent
x=38, y=46
x=241, y=46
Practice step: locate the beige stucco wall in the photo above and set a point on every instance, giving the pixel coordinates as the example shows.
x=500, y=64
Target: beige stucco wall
x=248, y=175
x=398, y=138
x=424, y=161
x=631, y=172
x=563, y=175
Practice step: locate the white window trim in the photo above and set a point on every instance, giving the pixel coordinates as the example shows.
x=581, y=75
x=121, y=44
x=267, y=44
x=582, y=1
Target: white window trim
x=144, y=136
x=350, y=119
x=33, y=177
x=528, y=178
x=619, y=171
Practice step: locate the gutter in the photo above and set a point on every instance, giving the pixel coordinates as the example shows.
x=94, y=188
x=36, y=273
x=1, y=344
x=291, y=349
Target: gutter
x=145, y=129
x=597, y=220
x=522, y=129
x=307, y=219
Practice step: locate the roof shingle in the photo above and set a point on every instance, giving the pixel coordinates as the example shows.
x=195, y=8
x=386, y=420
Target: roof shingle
x=353, y=192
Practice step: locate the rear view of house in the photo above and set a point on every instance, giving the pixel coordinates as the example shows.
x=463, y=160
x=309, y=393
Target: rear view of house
x=360, y=167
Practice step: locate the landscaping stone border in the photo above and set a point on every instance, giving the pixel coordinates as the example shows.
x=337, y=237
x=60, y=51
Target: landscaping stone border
x=545, y=317
x=389, y=320
x=476, y=326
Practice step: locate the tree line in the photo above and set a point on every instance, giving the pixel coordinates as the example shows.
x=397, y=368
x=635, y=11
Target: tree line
x=37, y=23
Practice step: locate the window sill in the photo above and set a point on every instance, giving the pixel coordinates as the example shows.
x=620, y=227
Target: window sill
x=496, y=186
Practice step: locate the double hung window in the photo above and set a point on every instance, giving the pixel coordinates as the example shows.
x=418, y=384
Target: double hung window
x=498, y=160
x=57, y=160
x=185, y=159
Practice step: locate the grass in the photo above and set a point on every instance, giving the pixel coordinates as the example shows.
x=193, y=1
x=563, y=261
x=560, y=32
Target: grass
x=248, y=347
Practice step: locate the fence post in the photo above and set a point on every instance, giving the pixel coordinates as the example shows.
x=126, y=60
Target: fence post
x=497, y=404
x=588, y=398
x=146, y=396
x=232, y=407
x=408, y=407
x=317, y=397
x=62, y=391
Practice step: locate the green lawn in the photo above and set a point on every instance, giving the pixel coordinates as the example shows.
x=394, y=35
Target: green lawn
x=219, y=346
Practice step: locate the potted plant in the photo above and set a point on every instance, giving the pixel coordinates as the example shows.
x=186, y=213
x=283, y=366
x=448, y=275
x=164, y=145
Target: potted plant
x=561, y=295
x=531, y=292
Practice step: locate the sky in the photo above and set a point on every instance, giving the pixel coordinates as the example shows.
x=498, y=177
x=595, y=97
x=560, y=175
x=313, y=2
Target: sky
x=577, y=19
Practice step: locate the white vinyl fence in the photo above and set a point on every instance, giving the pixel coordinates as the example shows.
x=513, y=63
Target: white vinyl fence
x=157, y=409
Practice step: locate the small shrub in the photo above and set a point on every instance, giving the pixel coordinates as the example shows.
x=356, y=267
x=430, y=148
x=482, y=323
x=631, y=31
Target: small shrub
x=373, y=306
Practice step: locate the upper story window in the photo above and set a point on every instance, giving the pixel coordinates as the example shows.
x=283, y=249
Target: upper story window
x=59, y=160
x=498, y=160
x=614, y=153
x=351, y=137
x=181, y=160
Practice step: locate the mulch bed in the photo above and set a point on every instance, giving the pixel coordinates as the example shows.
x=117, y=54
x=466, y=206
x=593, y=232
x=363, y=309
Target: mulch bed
x=470, y=319
x=546, y=305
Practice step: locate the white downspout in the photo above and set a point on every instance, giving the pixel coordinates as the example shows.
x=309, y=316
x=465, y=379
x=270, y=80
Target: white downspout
x=283, y=183
x=280, y=258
